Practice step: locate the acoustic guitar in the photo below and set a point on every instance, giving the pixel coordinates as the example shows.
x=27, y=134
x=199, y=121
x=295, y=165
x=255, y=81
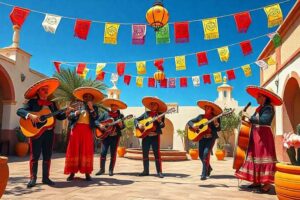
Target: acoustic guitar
x=148, y=124
x=108, y=127
x=196, y=135
x=47, y=121
x=242, y=142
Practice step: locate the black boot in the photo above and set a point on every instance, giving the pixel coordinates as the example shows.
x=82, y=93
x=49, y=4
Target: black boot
x=160, y=175
x=71, y=177
x=33, y=170
x=146, y=168
x=100, y=172
x=144, y=173
x=111, y=172
x=102, y=167
x=209, y=170
x=46, y=169
x=88, y=177
x=31, y=183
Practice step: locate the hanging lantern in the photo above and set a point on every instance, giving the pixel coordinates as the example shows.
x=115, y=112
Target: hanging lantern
x=157, y=16
x=159, y=75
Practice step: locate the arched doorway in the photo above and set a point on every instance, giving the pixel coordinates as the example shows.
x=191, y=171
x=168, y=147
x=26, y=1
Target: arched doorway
x=291, y=107
x=166, y=140
x=7, y=93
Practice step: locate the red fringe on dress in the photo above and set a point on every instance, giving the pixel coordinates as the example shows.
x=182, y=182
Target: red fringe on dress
x=80, y=151
x=259, y=166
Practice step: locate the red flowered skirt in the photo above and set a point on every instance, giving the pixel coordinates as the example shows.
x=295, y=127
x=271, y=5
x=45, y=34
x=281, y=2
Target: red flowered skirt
x=80, y=151
x=259, y=166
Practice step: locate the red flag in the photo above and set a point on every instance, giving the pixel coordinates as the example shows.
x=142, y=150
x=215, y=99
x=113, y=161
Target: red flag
x=127, y=79
x=80, y=68
x=246, y=47
x=183, y=82
x=158, y=64
x=164, y=83
x=202, y=58
x=230, y=74
x=121, y=68
x=57, y=66
x=242, y=21
x=172, y=82
x=82, y=28
x=151, y=82
x=206, y=79
x=18, y=15
x=181, y=32
x=100, y=76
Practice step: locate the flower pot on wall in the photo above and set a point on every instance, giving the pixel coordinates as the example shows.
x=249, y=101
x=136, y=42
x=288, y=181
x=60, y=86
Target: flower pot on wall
x=121, y=151
x=21, y=149
x=4, y=173
x=287, y=181
x=194, y=153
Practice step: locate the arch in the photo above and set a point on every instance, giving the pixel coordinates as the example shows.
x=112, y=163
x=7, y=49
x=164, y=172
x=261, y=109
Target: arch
x=6, y=85
x=166, y=140
x=291, y=105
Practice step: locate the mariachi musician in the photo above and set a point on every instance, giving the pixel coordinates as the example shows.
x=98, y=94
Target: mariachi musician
x=37, y=96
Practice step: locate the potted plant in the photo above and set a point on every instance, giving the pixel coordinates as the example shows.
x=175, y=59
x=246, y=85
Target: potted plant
x=129, y=126
x=3, y=175
x=229, y=123
x=22, y=146
x=193, y=151
x=220, y=152
x=287, y=176
x=182, y=134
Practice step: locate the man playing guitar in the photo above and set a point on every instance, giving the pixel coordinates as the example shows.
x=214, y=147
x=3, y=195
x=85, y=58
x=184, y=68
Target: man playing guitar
x=207, y=142
x=37, y=95
x=113, y=137
x=156, y=106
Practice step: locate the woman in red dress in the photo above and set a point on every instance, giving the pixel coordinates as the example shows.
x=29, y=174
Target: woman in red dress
x=80, y=151
x=259, y=165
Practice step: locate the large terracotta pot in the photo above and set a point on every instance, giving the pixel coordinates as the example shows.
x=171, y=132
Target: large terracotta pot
x=3, y=174
x=194, y=153
x=287, y=181
x=220, y=154
x=121, y=151
x=21, y=148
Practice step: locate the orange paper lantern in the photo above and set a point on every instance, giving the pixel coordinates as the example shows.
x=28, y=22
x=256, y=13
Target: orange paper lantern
x=157, y=16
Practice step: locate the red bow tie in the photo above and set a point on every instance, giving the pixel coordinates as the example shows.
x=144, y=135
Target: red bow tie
x=152, y=113
x=44, y=102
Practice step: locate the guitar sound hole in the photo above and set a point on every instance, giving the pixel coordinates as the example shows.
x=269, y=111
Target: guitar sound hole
x=39, y=125
x=201, y=126
x=147, y=124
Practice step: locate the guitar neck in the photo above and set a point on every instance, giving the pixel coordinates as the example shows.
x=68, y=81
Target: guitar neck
x=214, y=118
x=55, y=113
x=158, y=116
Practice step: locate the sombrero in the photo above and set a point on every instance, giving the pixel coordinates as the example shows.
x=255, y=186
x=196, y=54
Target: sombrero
x=52, y=84
x=162, y=107
x=97, y=94
x=255, y=91
x=217, y=109
x=109, y=101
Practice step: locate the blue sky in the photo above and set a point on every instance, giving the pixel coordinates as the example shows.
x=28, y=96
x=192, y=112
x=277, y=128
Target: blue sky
x=46, y=47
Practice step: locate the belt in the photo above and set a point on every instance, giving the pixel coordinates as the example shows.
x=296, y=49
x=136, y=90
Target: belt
x=207, y=136
x=152, y=134
x=257, y=125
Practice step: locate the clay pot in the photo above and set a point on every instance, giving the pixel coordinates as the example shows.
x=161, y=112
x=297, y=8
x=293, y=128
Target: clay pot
x=220, y=154
x=3, y=175
x=121, y=151
x=287, y=181
x=194, y=153
x=21, y=149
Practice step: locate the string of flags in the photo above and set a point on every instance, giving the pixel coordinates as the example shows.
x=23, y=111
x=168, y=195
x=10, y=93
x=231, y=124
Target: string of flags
x=180, y=61
x=82, y=71
x=243, y=20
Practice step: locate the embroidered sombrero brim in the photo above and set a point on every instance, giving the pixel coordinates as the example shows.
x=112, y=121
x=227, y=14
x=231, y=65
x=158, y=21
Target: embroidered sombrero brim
x=217, y=109
x=110, y=101
x=97, y=94
x=52, y=84
x=162, y=107
x=255, y=91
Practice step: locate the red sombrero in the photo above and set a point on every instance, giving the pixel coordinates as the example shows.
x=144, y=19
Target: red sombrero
x=109, y=101
x=255, y=91
x=97, y=94
x=162, y=107
x=52, y=84
x=217, y=109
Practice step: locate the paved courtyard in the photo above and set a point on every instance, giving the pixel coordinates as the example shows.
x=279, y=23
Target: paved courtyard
x=182, y=181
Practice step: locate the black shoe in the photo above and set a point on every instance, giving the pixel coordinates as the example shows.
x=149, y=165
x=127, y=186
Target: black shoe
x=31, y=183
x=209, y=171
x=252, y=186
x=203, y=178
x=144, y=173
x=88, y=177
x=47, y=181
x=101, y=171
x=160, y=175
x=71, y=177
x=111, y=173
